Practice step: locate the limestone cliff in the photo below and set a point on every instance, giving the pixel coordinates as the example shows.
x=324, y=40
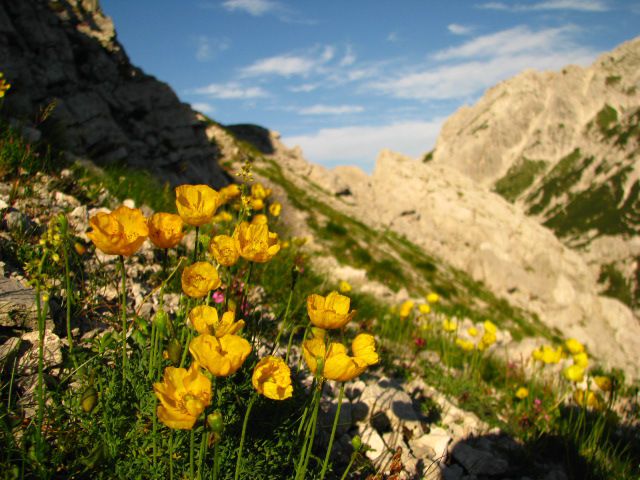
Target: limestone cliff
x=564, y=148
x=65, y=54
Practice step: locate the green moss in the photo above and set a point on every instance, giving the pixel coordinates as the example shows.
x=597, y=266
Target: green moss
x=612, y=80
x=428, y=156
x=605, y=118
x=518, y=178
x=616, y=285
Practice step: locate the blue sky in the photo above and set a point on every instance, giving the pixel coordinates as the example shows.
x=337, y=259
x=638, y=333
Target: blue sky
x=344, y=79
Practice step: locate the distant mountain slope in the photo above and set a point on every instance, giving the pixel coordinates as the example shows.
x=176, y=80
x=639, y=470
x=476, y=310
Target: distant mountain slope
x=65, y=54
x=565, y=148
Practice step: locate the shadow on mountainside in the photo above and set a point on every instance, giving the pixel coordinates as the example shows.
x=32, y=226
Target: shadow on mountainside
x=255, y=135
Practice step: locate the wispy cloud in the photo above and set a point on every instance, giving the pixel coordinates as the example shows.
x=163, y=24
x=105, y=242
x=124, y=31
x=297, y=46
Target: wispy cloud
x=360, y=144
x=305, y=87
x=331, y=109
x=252, y=7
x=349, y=57
x=458, y=29
x=207, y=48
x=202, y=107
x=578, y=5
x=282, y=65
x=230, y=91
x=470, y=68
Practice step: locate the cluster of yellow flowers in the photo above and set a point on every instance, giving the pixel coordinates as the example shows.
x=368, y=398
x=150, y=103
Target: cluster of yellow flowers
x=477, y=337
x=332, y=361
x=407, y=307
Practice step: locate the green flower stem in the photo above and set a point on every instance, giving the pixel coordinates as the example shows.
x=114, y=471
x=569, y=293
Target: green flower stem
x=244, y=431
x=185, y=349
x=69, y=295
x=195, y=247
x=191, y=459
x=155, y=429
x=202, y=452
x=214, y=473
x=42, y=315
x=152, y=351
x=171, y=455
x=346, y=472
x=310, y=431
x=284, y=322
x=123, y=309
x=333, y=432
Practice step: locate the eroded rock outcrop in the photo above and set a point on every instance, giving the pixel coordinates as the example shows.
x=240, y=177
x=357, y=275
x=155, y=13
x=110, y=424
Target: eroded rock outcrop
x=65, y=55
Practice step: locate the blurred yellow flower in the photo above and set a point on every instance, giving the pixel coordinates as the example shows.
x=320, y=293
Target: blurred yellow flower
x=588, y=399
x=473, y=331
x=220, y=356
x=197, y=203
x=406, y=308
x=547, y=354
x=259, y=191
x=165, y=229
x=4, y=85
x=344, y=286
x=183, y=395
x=433, y=297
x=603, y=383
x=255, y=242
x=337, y=364
x=490, y=327
x=284, y=244
x=256, y=203
x=223, y=248
x=574, y=373
x=574, y=346
x=260, y=219
x=581, y=359
x=275, y=208
x=199, y=279
x=466, y=345
x=522, y=393
x=424, y=308
x=222, y=217
x=272, y=378
x=205, y=320
x=449, y=325
x=488, y=339
x=329, y=312
x=121, y=232
x=229, y=192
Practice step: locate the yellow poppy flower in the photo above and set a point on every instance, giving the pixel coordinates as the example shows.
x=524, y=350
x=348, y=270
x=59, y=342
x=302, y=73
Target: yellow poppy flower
x=255, y=242
x=424, y=309
x=165, y=229
x=329, y=312
x=221, y=356
x=574, y=346
x=433, y=297
x=588, y=399
x=121, y=232
x=522, y=393
x=199, y=279
x=205, y=319
x=259, y=191
x=344, y=286
x=490, y=327
x=581, y=359
x=406, y=308
x=338, y=365
x=275, y=208
x=466, y=345
x=222, y=217
x=256, y=203
x=272, y=378
x=223, y=248
x=574, y=373
x=183, y=395
x=473, y=331
x=260, y=219
x=229, y=192
x=547, y=354
x=197, y=203
x=603, y=383
x=449, y=325
x=488, y=339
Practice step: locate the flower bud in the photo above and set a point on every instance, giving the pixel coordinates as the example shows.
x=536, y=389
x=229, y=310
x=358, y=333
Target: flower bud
x=161, y=320
x=356, y=443
x=89, y=399
x=215, y=421
x=174, y=351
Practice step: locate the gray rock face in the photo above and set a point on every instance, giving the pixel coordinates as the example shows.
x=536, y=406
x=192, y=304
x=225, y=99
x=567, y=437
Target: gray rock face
x=66, y=54
x=17, y=306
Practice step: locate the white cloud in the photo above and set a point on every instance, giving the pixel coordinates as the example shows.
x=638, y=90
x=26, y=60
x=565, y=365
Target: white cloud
x=305, y=87
x=458, y=29
x=392, y=37
x=283, y=65
x=230, y=91
x=328, y=53
x=360, y=144
x=513, y=40
x=331, y=109
x=487, y=60
x=207, y=48
x=253, y=7
x=349, y=57
x=202, y=107
x=580, y=5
